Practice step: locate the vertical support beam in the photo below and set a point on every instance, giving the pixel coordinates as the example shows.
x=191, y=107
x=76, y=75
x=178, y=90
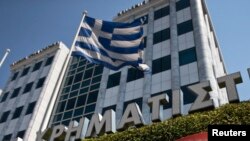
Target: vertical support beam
x=204, y=59
x=148, y=60
x=175, y=66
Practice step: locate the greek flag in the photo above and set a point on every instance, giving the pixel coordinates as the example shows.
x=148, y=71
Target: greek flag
x=111, y=44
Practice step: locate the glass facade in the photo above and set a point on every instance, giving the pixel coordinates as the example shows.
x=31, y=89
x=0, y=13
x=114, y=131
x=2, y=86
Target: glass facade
x=79, y=93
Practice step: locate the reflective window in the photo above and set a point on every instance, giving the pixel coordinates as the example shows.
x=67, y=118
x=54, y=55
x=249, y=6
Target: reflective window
x=134, y=74
x=49, y=60
x=15, y=92
x=161, y=13
x=114, y=80
x=14, y=76
x=161, y=64
x=30, y=108
x=37, y=66
x=161, y=36
x=20, y=134
x=40, y=82
x=7, y=137
x=5, y=96
x=17, y=112
x=185, y=27
x=28, y=87
x=182, y=4
x=25, y=71
x=187, y=56
x=4, y=116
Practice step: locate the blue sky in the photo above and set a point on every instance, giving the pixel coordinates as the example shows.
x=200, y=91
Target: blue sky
x=29, y=25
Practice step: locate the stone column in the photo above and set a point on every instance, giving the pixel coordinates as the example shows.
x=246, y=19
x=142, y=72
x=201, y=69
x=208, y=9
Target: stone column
x=204, y=59
x=148, y=61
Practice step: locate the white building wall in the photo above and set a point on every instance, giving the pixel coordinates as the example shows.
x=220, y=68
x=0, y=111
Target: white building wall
x=31, y=123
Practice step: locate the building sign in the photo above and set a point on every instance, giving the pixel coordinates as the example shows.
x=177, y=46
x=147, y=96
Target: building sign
x=100, y=124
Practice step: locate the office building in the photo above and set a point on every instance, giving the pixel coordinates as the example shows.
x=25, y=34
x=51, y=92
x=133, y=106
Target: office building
x=24, y=103
x=180, y=47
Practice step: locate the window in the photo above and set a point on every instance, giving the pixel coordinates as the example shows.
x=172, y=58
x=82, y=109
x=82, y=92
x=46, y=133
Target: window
x=40, y=82
x=185, y=27
x=17, y=112
x=88, y=73
x=114, y=80
x=134, y=74
x=25, y=71
x=161, y=64
x=161, y=13
x=78, y=77
x=92, y=97
x=182, y=4
x=187, y=56
x=145, y=42
x=78, y=112
x=138, y=101
x=161, y=36
x=20, y=134
x=61, y=107
x=67, y=115
x=37, y=66
x=49, y=61
x=71, y=104
x=81, y=100
x=90, y=108
x=98, y=70
x=28, y=87
x=15, y=92
x=113, y=107
x=14, y=76
x=5, y=96
x=4, y=116
x=7, y=137
x=30, y=108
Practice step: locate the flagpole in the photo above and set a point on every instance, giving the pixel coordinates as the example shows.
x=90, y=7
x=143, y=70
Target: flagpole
x=46, y=119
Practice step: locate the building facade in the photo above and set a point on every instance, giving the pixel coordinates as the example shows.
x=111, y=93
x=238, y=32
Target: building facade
x=180, y=47
x=24, y=103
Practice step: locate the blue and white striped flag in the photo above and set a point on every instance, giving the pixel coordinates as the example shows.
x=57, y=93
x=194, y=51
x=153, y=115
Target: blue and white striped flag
x=111, y=44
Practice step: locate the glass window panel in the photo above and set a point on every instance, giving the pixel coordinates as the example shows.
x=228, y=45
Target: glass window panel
x=98, y=70
x=4, y=116
x=187, y=56
x=61, y=106
x=15, y=92
x=49, y=60
x=68, y=114
x=114, y=80
x=25, y=71
x=30, y=108
x=88, y=73
x=78, y=112
x=81, y=100
x=5, y=96
x=182, y=4
x=37, y=66
x=71, y=103
x=17, y=112
x=92, y=97
x=185, y=27
x=28, y=87
x=90, y=108
x=40, y=82
x=14, y=76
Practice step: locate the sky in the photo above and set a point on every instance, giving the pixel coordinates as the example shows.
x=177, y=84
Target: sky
x=27, y=26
